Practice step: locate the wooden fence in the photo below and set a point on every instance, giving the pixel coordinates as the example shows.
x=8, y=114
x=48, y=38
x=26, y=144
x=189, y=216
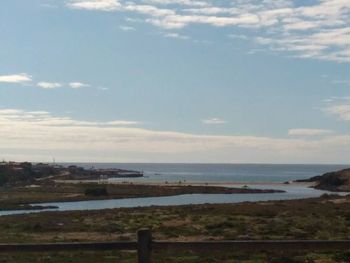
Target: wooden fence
x=144, y=245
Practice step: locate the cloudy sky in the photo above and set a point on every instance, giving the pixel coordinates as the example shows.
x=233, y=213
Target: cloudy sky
x=224, y=81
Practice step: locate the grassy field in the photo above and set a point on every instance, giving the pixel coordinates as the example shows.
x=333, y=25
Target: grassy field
x=321, y=218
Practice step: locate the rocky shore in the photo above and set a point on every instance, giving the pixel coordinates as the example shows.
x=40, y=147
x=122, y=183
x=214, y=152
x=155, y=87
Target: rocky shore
x=338, y=181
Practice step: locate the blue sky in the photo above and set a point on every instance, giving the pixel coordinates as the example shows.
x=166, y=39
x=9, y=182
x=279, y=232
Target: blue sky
x=175, y=81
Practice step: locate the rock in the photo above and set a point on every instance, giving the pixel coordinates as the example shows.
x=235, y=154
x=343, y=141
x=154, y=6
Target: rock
x=338, y=181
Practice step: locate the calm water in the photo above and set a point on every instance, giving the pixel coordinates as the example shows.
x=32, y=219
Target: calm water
x=249, y=174
x=252, y=173
x=292, y=192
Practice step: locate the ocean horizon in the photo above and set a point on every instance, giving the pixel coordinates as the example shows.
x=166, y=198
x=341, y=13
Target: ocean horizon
x=205, y=172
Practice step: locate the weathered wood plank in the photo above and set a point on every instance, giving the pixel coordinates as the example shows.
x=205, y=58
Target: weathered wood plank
x=268, y=245
x=68, y=246
x=144, y=245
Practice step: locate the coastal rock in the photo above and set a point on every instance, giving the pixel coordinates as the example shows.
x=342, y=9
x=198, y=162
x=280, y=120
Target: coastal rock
x=338, y=181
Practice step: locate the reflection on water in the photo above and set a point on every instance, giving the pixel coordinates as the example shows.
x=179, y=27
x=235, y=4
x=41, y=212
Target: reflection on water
x=292, y=192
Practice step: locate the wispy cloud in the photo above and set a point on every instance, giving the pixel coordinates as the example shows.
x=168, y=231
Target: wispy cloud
x=318, y=29
x=178, y=2
x=309, y=132
x=341, y=111
x=338, y=107
x=34, y=135
x=49, y=4
x=102, y=5
x=15, y=78
x=103, y=88
x=176, y=35
x=123, y=123
x=78, y=85
x=238, y=36
x=127, y=28
x=341, y=82
x=55, y=85
x=24, y=78
x=214, y=121
x=46, y=119
x=49, y=85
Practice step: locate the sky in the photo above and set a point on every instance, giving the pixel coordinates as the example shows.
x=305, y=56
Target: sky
x=203, y=81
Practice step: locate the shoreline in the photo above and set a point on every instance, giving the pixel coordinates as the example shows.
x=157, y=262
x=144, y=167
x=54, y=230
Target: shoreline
x=186, y=183
x=23, y=198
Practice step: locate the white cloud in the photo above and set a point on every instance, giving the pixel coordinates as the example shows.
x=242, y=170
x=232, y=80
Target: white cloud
x=148, y=10
x=102, y=88
x=309, y=132
x=127, y=28
x=49, y=4
x=44, y=118
x=214, y=121
x=24, y=78
x=15, y=78
x=238, y=36
x=123, y=123
x=178, y=2
x=176, y=35
x=38, y=135
x=342, y=82
x=317, y=30
x=78, y=85
x=341, y=111
x=49, y=85
x=102, y=5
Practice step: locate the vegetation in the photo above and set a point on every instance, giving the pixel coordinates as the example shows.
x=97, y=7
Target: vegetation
x=318, y=218
x=96, y=191
x=23, y=173
x=13, y=173
x=327, y=217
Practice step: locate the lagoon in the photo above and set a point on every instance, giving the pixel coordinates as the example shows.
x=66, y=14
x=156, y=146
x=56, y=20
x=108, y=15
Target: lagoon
x=292, y=192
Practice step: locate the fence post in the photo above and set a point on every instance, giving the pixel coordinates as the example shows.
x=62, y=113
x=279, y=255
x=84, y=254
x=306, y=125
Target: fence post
x=144, y=239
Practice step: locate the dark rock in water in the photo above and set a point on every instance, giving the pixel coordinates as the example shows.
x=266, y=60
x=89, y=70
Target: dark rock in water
x=42, y=207
x=309, y=180
x=338, y=181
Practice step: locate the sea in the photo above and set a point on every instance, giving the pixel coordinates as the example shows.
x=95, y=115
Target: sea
x=238, y=173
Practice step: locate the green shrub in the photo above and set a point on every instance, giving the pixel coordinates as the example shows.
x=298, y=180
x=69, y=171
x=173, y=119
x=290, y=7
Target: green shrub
x=96, y=191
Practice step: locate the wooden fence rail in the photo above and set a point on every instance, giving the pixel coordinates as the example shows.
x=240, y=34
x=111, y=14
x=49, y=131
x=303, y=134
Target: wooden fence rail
x=144, y=245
